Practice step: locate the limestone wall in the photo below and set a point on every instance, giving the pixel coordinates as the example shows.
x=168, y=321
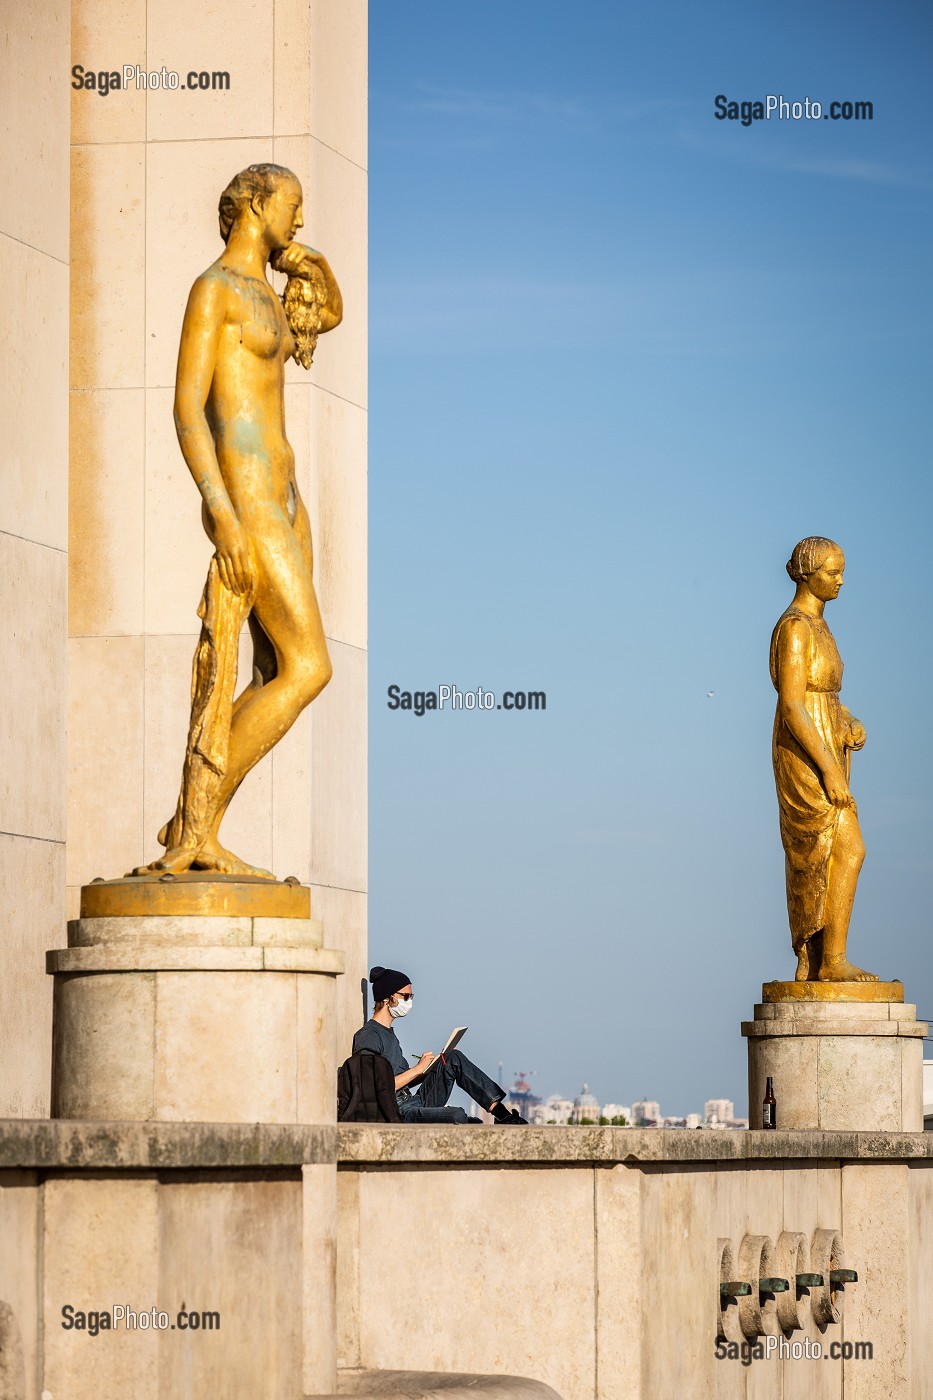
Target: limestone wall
x=34, y=257
x=592, y=1262
x=587, y=1259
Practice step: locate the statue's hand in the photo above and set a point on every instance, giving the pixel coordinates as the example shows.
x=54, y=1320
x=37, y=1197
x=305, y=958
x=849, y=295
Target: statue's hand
x=234, y=562
x=857, y=736
x=297, y=260
x=837, y=789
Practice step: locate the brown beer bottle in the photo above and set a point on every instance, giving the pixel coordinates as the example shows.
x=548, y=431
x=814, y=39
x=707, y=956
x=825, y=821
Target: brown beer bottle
x=769, y=1106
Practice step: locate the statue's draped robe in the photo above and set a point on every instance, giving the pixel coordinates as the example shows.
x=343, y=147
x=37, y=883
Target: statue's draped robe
x=213, y=682
x=808, y=818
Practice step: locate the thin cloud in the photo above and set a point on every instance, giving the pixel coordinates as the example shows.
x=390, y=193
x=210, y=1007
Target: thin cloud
x=584, y=111
x=739, y=148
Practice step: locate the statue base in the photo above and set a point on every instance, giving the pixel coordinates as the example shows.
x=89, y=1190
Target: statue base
x=176, y=1016
x=196, y=892
x=832, y=991
x=844, y=1062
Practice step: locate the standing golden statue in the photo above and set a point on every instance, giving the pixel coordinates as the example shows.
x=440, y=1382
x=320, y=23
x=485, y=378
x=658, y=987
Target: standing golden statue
x=230, y=421
x=814, y=736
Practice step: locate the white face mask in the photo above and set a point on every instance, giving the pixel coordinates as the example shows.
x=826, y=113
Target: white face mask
x=402, y=1008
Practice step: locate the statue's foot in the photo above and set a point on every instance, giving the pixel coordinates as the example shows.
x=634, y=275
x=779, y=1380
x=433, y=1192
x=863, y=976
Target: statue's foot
x=844, y=971
x=809, y=957
x=174, y=862
x=214, y=856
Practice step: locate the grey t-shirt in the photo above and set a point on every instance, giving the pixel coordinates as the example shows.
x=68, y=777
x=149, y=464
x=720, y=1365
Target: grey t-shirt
x=382, y=1040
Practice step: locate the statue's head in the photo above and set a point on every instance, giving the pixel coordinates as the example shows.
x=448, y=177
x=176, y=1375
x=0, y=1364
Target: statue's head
x=810, y=555
x=268, y=192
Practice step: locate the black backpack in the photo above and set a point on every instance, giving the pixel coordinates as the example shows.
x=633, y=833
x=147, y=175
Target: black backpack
x=366, y=1090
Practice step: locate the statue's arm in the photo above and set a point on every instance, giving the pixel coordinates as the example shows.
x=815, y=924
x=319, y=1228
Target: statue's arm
x=792, y=644
x=197, y=356
x=294, y=260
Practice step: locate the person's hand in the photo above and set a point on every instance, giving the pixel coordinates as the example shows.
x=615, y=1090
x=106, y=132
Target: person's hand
x=426, y=1060
x=837, y=789
x=234, y=562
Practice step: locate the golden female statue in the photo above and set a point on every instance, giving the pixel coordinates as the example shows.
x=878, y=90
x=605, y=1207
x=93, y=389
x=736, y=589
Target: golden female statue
x=230, y=420
x=814, y=735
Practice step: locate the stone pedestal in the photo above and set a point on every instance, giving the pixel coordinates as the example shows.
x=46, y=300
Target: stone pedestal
x=847, y=1063
x=192, y=1016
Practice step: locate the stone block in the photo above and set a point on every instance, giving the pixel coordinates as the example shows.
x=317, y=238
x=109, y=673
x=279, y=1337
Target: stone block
x=319, y=1279
x=225, y=1047
x=513, y=1269
x=108, y=253
x=32, y=877
x=34, y=167
x=105, y=38
x=33, y=387
x=178, y=551
x=106, y=525
x=875, y=1226
x=338, y=774
x=620, y=1265
x=106, y=742
x=324, y=102
x=232, y=1247
x=32, y=689
x=101, y=1247
x=205, y=40
x=20, y=1287
x=102, y=1052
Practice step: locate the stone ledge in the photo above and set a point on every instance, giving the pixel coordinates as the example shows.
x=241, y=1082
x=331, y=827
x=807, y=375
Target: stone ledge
x=387, y=1144
x=62, y=1144
x=140, y=956
x=802, y=1026
x=426, y=1385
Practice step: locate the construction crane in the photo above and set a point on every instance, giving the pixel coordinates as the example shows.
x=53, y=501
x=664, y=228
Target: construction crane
x=520, y=1095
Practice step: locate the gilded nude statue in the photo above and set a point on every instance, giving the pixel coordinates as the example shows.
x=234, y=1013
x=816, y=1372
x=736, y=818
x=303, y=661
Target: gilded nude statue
x=814, y=738
x=229, y=416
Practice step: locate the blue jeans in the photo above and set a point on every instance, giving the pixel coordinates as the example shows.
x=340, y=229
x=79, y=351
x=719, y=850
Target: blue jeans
x=428, y=1105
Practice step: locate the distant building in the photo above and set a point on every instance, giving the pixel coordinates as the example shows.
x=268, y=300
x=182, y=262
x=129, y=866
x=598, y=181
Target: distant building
x=693, y=1120
x=928, y=1095
x=646, y=1111
x=718, y=1112
x=617, y=1110
x=555, y=1110
x=585, y=1106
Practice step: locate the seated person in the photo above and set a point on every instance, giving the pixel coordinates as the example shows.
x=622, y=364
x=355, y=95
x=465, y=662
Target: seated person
x=435, y=1075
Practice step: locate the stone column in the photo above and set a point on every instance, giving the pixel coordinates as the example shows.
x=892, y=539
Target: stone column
x=853, y=1062
x=194, y=1013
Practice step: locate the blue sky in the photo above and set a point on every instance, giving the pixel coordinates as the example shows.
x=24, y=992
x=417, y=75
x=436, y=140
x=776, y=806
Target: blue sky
x=623, y=356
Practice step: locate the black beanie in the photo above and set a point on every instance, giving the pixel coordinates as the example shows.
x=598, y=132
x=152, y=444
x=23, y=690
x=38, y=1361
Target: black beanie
x=386, y=981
